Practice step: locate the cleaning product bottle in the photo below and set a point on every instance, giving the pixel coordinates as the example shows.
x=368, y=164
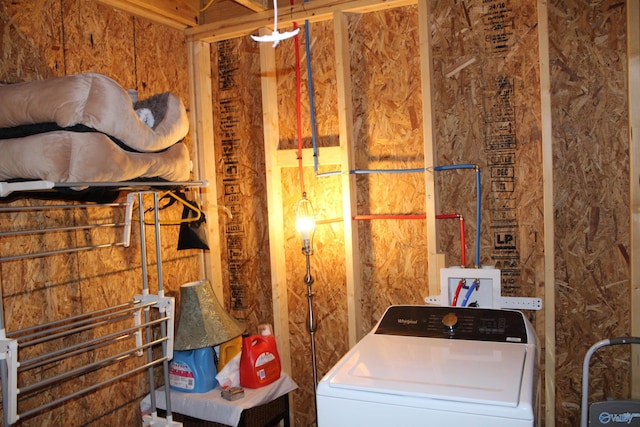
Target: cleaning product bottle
x=193, y=371
x=264, y=330
x=259, y=361
x=228, y=350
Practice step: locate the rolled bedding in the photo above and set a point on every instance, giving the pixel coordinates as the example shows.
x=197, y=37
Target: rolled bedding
x=100, y=103
x=63, y=156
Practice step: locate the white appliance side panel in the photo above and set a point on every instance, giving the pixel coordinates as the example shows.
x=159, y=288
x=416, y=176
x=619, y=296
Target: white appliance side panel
x=341, y=412
x=464, y=371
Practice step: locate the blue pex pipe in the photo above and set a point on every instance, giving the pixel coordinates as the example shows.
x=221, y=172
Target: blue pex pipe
x=372, y=171
x=312, y=104
x=478, y=200
x=443, y=168
x=473, y=286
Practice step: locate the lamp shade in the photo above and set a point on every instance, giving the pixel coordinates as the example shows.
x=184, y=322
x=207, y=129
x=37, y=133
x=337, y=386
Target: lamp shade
x=203, y=321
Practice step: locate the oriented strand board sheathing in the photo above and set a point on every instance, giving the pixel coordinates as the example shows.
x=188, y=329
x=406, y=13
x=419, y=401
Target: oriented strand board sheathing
x=44, y=39
x=150, y=59
x=31, y=40
x=591, y=176
x=96, y=38
x=324, y=88
x=487, y=105
x=152, y=56
x=327, y=262
x=329, y=289
x=322, y=48
x=38, y=290
x=480, y=87
x=241, y=181
x=388, y=135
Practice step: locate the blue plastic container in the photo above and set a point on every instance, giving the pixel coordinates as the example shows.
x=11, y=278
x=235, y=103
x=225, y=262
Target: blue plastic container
x=193, y=371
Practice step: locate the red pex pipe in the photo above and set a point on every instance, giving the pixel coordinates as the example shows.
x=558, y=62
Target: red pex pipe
x=386, y=216
x=457, y=293
x=447, y=216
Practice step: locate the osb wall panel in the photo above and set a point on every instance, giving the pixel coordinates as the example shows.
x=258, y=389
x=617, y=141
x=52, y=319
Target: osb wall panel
x=328, y=288
x=386, y=93
x=244, y=231
x=32, y=46
x=388, y=132
x=97, y=38
x=322, y=53
x=591, y=192
x=42, y=39
x=486, y=77
x=327, y=262
x=487, y=113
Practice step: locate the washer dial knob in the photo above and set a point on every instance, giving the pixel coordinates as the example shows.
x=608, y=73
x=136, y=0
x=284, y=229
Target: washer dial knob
x=450, y=321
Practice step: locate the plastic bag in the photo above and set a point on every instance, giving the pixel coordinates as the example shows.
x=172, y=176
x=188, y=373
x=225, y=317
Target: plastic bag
x=229, y=376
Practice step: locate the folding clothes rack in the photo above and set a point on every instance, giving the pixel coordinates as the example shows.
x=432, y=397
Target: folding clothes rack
x=119, y=336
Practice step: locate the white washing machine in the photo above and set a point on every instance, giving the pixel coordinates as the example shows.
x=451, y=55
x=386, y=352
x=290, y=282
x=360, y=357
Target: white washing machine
x=436, y=366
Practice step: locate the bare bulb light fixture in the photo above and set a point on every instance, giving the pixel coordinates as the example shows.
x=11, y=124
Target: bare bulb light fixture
x=306, y=225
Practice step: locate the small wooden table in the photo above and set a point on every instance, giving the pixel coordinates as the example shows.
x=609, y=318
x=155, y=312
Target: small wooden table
x=260, y=407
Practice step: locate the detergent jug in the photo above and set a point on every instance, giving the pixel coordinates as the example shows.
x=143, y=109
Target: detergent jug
x=193, y=371
x=228, y=350
x=259, y=361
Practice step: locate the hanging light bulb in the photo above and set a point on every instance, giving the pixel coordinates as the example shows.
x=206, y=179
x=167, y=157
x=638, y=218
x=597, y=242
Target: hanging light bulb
x=306, y=223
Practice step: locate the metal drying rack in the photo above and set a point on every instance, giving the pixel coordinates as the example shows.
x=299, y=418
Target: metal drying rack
x=144, y=326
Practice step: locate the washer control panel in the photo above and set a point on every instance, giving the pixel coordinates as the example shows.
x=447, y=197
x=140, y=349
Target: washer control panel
x=454, y=323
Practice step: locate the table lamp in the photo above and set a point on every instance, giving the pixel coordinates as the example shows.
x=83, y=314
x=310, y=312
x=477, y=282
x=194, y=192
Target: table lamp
x=203, y=323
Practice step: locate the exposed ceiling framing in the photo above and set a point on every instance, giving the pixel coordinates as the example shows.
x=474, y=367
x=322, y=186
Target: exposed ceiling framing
x=174, y=13
x=214, y=20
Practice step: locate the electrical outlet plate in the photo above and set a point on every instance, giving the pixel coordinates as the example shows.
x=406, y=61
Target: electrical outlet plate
x=486, y=295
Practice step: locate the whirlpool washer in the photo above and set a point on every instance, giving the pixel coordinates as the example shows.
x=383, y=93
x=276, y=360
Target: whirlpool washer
x=436, y=366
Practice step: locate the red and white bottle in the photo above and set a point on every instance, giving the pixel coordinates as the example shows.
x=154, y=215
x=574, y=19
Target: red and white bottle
x=259, y=361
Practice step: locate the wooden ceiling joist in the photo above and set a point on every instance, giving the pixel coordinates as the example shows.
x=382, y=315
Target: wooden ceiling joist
x=312, y=11
x=255, y=5
x=178, y=14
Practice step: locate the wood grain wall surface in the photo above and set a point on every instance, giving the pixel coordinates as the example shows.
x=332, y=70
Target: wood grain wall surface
x=591, y=190
x=488, y=113
x=43, y=39
x=487, y=107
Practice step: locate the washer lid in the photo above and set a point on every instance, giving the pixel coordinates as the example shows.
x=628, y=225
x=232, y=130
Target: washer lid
x=464, y=371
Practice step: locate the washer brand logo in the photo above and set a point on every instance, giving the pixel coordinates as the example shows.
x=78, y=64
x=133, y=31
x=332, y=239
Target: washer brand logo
x=623, y=418
x=407, y=322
